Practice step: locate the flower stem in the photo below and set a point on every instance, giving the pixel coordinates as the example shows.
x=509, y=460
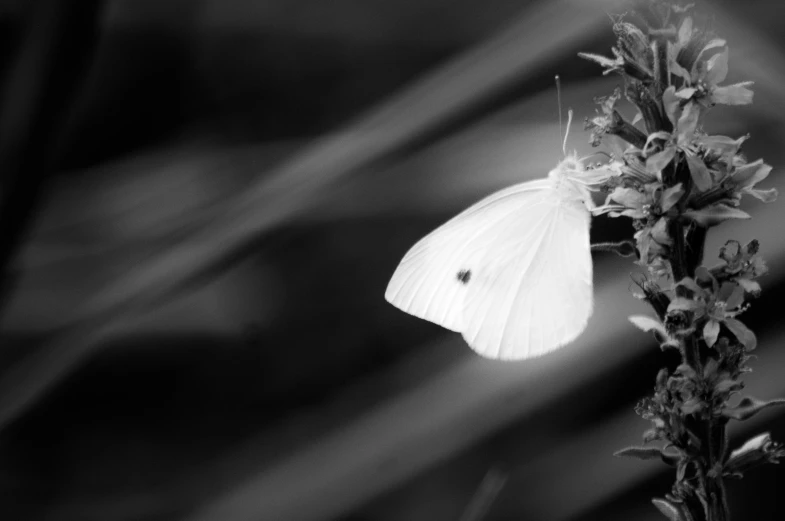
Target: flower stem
x=686, y=256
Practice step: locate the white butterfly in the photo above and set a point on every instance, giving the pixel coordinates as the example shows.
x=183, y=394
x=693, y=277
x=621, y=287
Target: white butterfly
x=512, y=273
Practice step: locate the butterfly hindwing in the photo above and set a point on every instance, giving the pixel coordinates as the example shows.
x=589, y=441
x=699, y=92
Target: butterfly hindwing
x=534, y=291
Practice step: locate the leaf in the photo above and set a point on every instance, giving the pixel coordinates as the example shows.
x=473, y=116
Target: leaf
x=685, y=31
x=671, y=103
x=670, y=196
x=713, y=215
x=722, y=144
x=713, y=44
x=685, y=127
x=742, y=333
x=736, y=297
x=680, y=71
x=749, y=407
x=699, y=172
x=642, y=453
x=747, y=176
x=660, y=160
x=648, y=324
x=717, y=68
x=686, y=93
x=669, y=509
x=710, y=332
x=736, y=94
x=767, y=196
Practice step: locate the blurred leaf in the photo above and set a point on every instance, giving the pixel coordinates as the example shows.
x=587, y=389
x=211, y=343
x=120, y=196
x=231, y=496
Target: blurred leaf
x=668, y=509
x=713, y=215
x=642, y=453
x=648, y=324
x=749, y=407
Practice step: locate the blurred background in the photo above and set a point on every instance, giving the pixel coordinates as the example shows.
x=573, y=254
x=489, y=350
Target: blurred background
x=201, y=203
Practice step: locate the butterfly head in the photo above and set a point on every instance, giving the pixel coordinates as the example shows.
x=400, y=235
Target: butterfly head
x=566, y=177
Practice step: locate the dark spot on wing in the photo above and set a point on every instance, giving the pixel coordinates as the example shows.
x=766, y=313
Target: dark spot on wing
x=464, y=276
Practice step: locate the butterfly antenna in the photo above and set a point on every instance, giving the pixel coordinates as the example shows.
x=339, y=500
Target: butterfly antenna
x=567, y=133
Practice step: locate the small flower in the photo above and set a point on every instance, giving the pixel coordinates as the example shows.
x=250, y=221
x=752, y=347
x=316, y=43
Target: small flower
x=680, y=140
x=648, y=201
x=705, y=77
x=632, y=54
x=757, y=450
x=718, y=305
x=743, y=265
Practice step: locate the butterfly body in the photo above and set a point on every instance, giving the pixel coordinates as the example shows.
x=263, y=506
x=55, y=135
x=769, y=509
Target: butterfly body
x=512, y=273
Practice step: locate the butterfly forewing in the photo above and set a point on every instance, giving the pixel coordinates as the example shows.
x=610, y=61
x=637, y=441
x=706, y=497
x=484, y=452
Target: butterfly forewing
x=432, y=280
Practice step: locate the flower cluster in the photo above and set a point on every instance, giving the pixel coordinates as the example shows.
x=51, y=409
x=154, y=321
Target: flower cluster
x=676, y=181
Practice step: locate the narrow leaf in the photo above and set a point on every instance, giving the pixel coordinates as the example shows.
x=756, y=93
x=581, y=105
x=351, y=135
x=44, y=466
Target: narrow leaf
x=602, y=60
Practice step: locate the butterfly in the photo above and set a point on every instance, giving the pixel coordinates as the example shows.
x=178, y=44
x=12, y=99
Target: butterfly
x=512, y=273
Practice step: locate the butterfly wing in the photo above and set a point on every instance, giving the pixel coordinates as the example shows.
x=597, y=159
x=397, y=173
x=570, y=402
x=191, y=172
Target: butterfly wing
x=533, y=290
x=432, y=280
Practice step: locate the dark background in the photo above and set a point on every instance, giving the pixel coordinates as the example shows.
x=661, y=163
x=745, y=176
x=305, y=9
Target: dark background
x=201, y=205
